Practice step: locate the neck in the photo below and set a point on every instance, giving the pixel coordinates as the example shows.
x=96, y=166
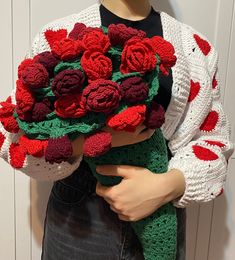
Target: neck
x=128, y=9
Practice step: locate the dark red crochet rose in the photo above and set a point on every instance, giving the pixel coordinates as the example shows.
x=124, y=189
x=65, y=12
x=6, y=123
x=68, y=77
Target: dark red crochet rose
x=67, y=49
x=101, y=96
x=138, y=56
x=24, y=116
x=6, y=117
x=58, y=150
x=70, y=106
x=166, y=52
x=80, y=30
x=128, y=119
x=41, y=110
x=67, y=81
x=120, y=33
x=35, y=76
x=24, y=98
x=97, y=144
x=134, y=90
x=96, y=65
x=24, y=64
x=96, y=41
x=77, y=29
x=48, y=60
x=155, y=116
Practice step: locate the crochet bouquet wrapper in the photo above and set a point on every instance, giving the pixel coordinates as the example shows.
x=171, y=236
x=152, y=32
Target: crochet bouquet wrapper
x=90, y=79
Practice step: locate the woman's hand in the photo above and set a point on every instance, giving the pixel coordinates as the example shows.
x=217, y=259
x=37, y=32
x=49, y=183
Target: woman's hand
x=140, y=192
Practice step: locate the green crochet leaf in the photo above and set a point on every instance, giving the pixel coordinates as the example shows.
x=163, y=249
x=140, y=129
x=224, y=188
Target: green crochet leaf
x=118, y=76
x=55, y=126
x=65, y=65
x=104, y=28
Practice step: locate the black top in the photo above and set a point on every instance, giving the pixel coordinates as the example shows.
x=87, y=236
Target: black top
x=152, y=26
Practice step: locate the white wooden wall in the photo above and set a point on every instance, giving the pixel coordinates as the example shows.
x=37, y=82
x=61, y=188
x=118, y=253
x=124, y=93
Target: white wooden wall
x=211, y=226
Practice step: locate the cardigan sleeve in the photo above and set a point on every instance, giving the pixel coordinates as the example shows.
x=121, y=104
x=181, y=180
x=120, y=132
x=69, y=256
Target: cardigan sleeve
x=11, y=150
x=201, y=144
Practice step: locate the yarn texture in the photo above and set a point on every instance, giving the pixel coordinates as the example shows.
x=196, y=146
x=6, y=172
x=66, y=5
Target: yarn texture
x=80, y=92
x=204, y=179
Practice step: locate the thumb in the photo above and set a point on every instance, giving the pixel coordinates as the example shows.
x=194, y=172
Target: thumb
x=124, y=171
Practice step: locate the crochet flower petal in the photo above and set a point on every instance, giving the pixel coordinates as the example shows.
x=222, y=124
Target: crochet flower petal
x=97, y=144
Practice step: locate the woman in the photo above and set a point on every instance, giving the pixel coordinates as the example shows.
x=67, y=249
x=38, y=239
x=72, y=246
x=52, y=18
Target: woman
x=86, y=220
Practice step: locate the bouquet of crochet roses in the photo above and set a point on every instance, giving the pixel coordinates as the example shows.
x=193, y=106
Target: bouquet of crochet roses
x=94, y=78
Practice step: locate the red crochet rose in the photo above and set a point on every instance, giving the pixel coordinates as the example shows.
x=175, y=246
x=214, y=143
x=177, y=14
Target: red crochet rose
x=33, y=147
x=96, y=41
x=134, y=90
x=128, y=119
x=24, y=64
x=120, y=33
x=67, y=49
x=48, y=60
x=97, y=144
x=67, y=81
x=35, y=76
x=80, y=30
x=166, y=52
x=155, y=116
x=138, y=56
x=24, y=98
x=70, y=106
x=101, y=96
x=96, y=65
x=6, y=117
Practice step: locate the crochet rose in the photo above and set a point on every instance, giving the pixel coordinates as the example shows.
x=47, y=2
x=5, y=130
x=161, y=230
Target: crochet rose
x=41, y=110
x=128, y=119
x=134, y=90
x=67, y=49
x=48, y=60
x=138, y=56
x=97, y=144
x=24, y=98
x=69, y=106
x=6, y=117
x=24, y=116
x=96, y=41
x=62, y=146
x=155, y=116
x=120, y=33
x=101, y=96
x=67, y=81
x=34, y=76
x=33, y=147
x=25, y=63
x=96, y=65
x=80, y=30
x=166, y=52
x=77, y=29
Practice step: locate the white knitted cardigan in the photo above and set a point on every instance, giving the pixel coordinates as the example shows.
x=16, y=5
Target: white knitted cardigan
x=202, y=161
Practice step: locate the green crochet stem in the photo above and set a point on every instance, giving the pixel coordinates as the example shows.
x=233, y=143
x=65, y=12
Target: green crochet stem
x=157, y=232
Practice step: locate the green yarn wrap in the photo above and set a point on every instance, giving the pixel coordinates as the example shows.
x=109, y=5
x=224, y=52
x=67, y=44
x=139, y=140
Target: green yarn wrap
x=157, y=232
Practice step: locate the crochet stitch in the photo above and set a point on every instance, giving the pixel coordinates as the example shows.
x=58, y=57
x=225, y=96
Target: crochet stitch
x=110, y=99
x=182, y=119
